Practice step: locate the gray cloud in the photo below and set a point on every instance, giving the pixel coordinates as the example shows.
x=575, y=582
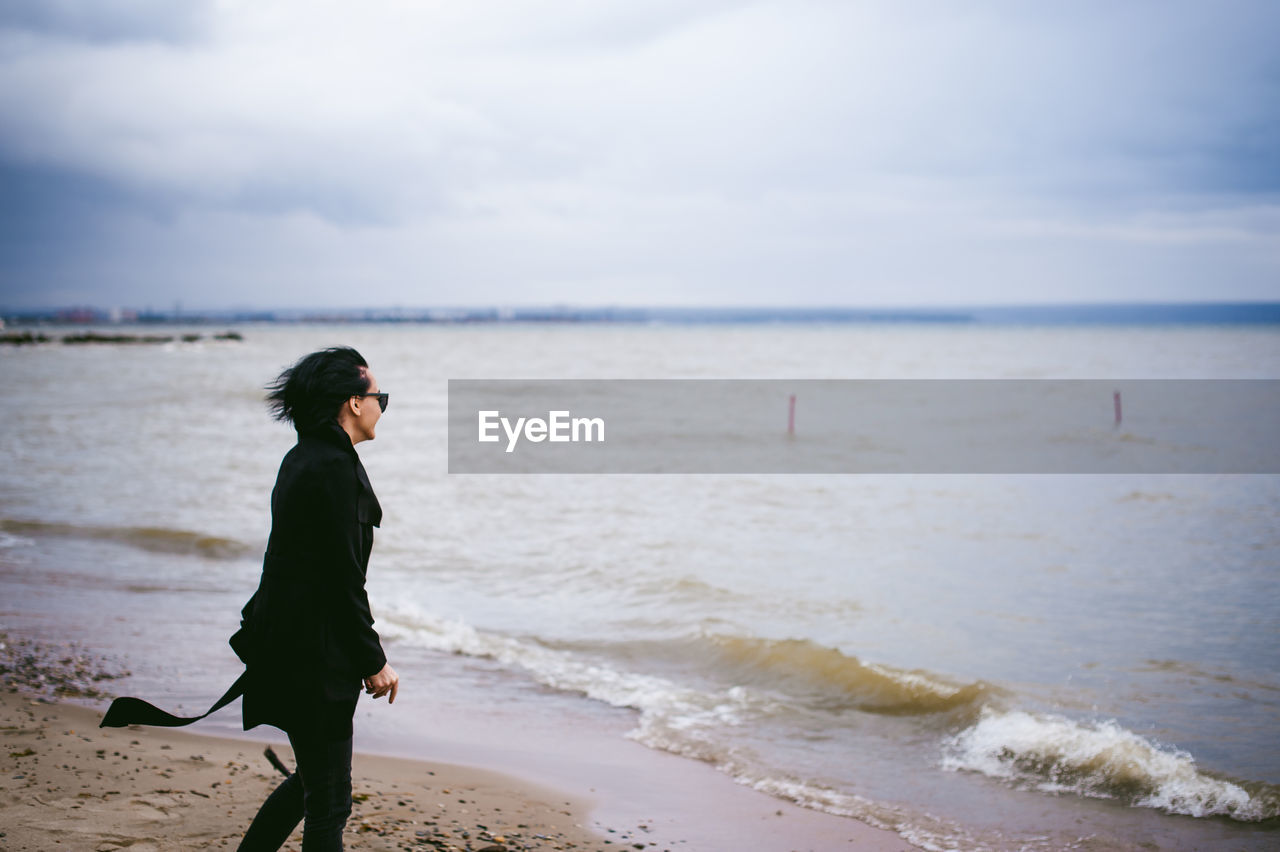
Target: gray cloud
x=818, y=152
x=109, y=21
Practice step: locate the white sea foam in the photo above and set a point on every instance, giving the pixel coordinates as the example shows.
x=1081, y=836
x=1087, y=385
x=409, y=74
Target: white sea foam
x=671, y=716
x=1099, y=759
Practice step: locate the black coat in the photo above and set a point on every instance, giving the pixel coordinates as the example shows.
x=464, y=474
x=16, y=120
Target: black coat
x=306, y=636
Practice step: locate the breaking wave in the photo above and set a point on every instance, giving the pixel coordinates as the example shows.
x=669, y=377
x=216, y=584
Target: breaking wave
x=1102, y=760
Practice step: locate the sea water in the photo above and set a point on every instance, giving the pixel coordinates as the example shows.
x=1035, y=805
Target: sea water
x=975, y=661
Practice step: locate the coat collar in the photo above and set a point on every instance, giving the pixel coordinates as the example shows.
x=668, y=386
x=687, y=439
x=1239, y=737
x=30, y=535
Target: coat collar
x=368, y=508
x=330, y=433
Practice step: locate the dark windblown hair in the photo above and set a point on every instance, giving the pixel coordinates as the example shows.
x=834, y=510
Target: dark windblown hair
x=309, y=393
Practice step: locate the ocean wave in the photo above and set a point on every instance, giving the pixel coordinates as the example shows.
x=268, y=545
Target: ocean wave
x=774, y=673
x=154, y=539
x=673, y=717
x=825, y=675
x=551, y=667
x=1102, y=760
x=691, y=723
x=714, y=724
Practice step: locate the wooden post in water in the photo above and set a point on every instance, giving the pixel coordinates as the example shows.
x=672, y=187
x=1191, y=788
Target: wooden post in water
x=1116, y=397
x=791, y=417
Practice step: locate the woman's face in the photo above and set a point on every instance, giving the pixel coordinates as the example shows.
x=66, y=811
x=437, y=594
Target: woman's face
x=366, y=412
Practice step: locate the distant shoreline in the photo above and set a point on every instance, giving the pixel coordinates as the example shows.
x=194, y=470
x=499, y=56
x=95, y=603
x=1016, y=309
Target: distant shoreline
x=1170, y=313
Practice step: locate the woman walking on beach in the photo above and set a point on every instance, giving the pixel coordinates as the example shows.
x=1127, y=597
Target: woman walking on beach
x=307, y=636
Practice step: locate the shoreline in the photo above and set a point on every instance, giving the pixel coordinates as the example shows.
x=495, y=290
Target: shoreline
x=473, y=788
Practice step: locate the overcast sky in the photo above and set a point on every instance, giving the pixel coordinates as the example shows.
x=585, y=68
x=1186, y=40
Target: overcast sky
x=289, y=153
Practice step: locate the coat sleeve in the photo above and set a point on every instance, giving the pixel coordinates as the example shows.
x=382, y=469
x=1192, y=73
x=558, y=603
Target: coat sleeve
x=339, y=556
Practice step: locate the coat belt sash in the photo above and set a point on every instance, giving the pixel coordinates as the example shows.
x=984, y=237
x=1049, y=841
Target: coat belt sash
x=135, y=711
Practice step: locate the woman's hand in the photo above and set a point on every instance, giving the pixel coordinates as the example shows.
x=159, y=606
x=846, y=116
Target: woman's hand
x=383, y=682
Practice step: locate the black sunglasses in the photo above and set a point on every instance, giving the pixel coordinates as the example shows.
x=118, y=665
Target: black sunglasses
x=383, y=398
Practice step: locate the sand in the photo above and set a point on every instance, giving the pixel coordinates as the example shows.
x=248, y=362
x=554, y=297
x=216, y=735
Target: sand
x=68, y=784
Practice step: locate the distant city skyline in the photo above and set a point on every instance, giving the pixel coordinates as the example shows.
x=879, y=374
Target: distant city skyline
x=703, y=152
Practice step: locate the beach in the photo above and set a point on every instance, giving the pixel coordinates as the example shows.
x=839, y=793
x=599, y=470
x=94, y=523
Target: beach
x=69, y=784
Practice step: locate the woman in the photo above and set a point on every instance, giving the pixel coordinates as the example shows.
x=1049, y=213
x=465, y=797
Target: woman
x=307, y=636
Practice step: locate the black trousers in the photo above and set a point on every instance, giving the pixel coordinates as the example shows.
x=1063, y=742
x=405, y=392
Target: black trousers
x=317, y=794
